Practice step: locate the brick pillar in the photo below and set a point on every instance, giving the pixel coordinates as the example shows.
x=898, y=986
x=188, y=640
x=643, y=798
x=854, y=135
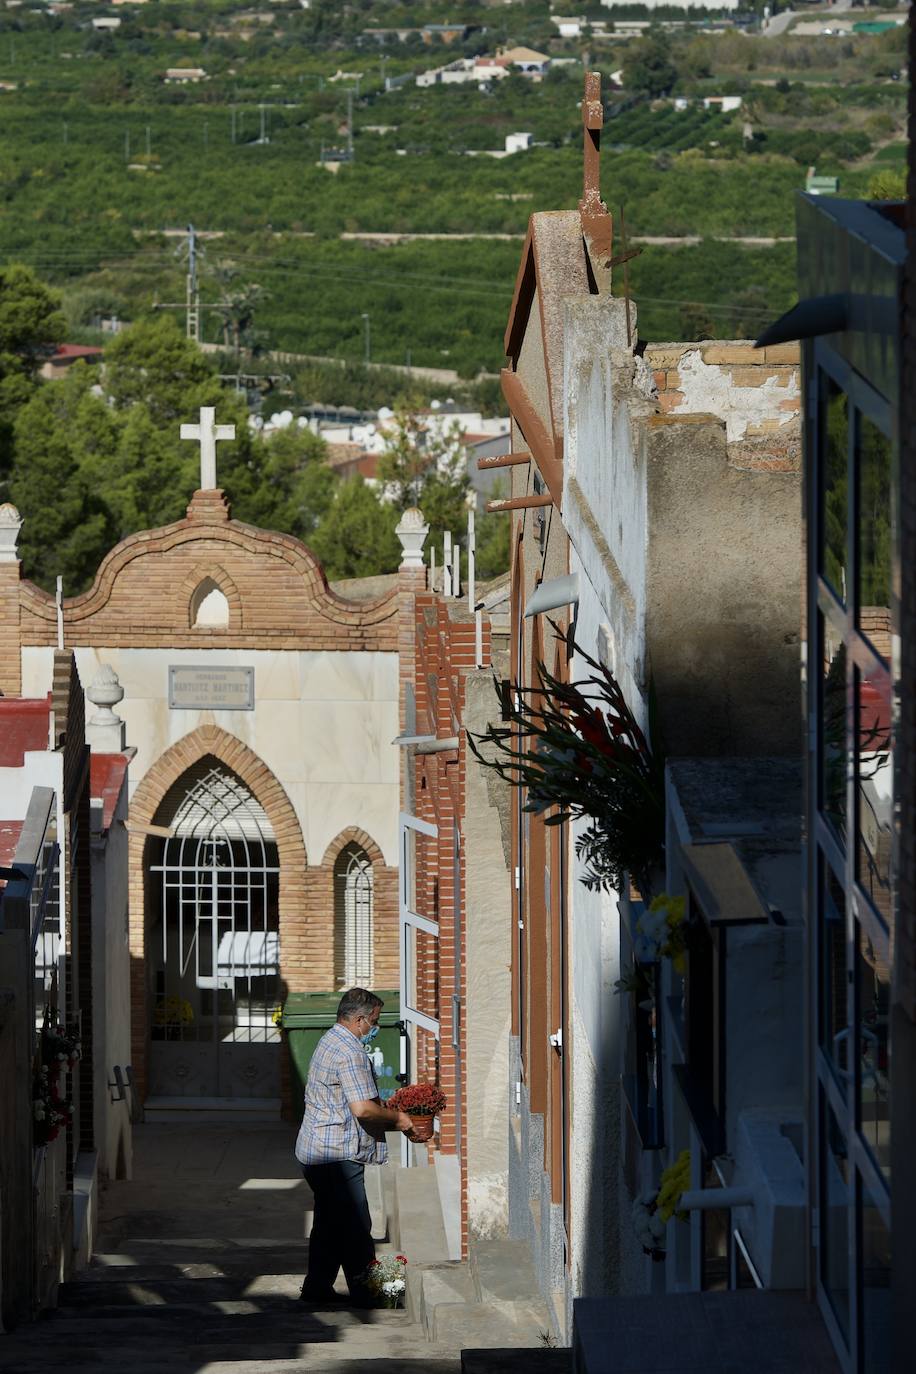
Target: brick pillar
x=10, y=574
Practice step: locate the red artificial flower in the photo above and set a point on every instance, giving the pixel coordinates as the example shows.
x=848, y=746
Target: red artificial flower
x=401, y=1259
x=418, y=1099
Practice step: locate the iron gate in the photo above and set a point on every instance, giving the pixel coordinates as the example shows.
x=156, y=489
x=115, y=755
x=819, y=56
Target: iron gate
x=214, y=944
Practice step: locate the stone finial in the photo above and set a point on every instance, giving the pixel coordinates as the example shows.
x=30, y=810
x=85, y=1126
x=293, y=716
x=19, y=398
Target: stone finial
x=10, y=525
x=412, y=530
x=105, y=730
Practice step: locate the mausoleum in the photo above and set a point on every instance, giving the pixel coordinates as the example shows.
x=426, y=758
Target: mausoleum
x=263, y=812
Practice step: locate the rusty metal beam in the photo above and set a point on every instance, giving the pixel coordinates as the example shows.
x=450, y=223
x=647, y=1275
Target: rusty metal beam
x=502, y=460
x=546, y=452
x=520, y=503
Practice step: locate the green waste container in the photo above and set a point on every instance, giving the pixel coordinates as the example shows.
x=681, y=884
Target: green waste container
x=306, y=1017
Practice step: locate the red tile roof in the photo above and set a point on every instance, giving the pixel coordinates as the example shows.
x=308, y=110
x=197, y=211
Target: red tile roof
x=107, y=773
x=24, y=725
x=77, y=351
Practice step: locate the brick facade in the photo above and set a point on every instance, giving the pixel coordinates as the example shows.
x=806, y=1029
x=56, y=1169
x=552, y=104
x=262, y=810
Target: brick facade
x=141, y=598
x=437, y=652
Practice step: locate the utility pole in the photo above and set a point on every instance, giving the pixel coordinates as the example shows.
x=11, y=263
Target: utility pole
x=367, y=339
x=350, y=128
x=265, y=137
x=192, y=291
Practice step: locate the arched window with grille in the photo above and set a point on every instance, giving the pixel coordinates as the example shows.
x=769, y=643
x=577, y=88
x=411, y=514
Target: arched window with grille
x=353, y=914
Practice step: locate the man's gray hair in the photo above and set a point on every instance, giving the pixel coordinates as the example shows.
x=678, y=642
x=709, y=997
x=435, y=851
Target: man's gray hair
x=357, y=1002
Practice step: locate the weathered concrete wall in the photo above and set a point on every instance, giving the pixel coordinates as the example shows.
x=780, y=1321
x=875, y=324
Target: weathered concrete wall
x=111, y=992
x=488, y=1017
x=722, y=607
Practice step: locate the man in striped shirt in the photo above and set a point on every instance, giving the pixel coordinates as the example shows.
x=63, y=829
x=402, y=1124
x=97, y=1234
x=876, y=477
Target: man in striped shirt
x=343, y=1130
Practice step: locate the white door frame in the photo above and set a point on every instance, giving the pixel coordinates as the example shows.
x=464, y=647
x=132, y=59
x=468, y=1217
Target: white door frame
x=411, y=1017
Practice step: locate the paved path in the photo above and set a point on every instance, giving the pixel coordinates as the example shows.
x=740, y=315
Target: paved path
x=198, y=1266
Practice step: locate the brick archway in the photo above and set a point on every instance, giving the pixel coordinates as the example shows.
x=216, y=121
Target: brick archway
x=295, y=936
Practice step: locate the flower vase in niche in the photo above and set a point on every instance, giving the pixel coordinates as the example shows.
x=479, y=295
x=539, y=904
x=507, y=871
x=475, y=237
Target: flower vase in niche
x=422, y=1102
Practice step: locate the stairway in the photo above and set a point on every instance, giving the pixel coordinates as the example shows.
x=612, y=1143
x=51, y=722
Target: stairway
x=199, y=1261
x=198, y=1265
x=489, y=1306
x=210, y=1307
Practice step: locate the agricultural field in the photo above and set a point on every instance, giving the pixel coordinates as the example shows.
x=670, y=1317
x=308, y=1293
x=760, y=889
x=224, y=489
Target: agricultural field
x=103, y=163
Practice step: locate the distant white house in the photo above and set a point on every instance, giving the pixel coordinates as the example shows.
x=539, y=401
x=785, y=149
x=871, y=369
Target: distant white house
x=463, y=71
x=723, y=103
x=569, y=26
x=519, y=143
x=105, y=23
x=183, y=75
x=524, y=60
x=676, y=4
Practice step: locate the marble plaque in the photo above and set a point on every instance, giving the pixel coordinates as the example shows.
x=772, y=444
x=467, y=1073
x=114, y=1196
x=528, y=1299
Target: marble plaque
x=211, y=689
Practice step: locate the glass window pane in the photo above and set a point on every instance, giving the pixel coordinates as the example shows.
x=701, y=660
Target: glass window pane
x=874, y=531
x=874, y=797
x=834, y=1255
x=876, y=1286
x=873, y=977
x=833, y=728
x=833, y=999
x=834, y=448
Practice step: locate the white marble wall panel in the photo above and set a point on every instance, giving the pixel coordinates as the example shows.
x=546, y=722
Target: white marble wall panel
x=322, y=722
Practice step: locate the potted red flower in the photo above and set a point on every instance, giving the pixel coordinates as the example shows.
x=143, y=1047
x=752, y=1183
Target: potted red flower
x=422, y=1102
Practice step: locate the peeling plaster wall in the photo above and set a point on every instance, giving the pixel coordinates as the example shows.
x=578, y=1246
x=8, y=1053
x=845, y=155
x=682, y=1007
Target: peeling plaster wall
x=756, y=391
x=604, y=487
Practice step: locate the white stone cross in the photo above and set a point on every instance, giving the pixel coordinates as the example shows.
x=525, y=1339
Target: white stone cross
x=207, y=434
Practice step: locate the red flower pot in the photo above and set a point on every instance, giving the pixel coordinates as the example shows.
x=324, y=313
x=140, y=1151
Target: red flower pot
x=422, y=1128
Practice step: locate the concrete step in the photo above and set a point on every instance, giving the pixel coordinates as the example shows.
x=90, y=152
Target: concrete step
x=196, y=1110
x=323, y=1361
x=547, y=1360
x=430, y=1285
x=420, y=1229
x=503, y=1273
x=480, y=1325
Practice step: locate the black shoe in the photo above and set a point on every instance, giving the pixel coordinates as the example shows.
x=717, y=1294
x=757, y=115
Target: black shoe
x=320, y=1297
x=362, y=1299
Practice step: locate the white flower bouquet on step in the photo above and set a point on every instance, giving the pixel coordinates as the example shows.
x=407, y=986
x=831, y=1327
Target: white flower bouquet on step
x=385, y=1278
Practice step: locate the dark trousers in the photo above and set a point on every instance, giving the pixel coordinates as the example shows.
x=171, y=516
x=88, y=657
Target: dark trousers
x=342, y=1229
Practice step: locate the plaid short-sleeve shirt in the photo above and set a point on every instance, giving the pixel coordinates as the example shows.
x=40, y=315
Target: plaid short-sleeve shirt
x=340, y=1073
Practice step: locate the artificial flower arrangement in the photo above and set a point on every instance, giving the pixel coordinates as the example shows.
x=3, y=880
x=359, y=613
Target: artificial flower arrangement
x=663, y=931
x=577, y=747
x=653, y=1211
x=385, y=1279
x=59, y=1051
x=422, y=1101
x=419, y=1099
